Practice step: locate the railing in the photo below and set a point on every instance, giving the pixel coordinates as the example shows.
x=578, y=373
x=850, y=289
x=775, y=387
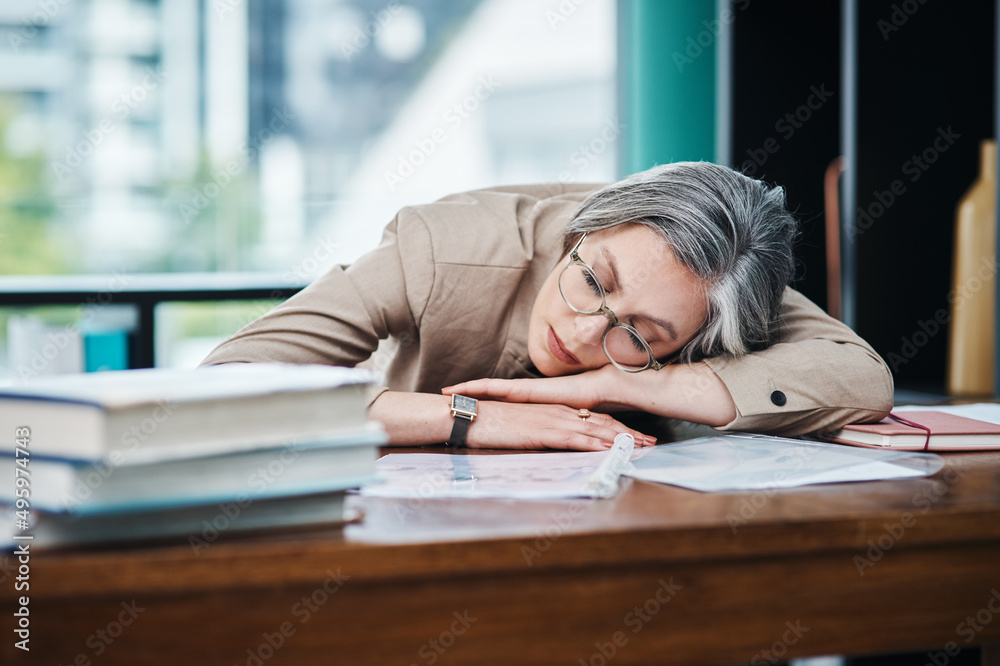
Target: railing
x=143, y=292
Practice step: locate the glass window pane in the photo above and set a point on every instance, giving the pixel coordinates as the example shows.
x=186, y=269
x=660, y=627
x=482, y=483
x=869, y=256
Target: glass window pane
x=281, y=136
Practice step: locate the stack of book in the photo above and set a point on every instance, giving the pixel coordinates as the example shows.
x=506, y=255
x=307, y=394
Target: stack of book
x=163, y=453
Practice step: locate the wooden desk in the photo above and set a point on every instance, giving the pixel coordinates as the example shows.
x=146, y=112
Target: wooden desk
x=658, y=575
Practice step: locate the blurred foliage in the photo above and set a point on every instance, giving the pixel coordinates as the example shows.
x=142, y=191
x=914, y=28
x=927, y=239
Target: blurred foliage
x=28, y=237
x=215, y=220
x=214, y=318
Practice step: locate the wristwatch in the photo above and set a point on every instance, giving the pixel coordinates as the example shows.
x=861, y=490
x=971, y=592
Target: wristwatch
x=464, y=410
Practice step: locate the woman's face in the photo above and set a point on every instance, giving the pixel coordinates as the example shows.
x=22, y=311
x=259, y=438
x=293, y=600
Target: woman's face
x=646, y=287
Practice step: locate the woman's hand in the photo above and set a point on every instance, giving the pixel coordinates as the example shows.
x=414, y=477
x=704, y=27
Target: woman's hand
x=686, y=391
x=415, y=419
x=543, y=412
x=593, y=389
x=509, y=425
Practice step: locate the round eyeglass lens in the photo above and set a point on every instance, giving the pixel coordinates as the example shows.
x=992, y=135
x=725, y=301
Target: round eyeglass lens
x=625, y=348
x=581, y=289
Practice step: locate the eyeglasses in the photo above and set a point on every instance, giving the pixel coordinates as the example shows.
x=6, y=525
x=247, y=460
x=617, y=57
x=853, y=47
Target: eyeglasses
x=583, y=293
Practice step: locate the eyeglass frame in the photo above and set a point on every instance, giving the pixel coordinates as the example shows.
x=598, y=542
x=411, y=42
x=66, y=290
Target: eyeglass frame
x=613, y=321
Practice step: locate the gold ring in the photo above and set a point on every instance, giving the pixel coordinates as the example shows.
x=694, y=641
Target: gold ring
x=583, y=413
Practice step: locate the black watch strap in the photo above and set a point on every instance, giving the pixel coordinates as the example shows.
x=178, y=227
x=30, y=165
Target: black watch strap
x=463, y=410
x=459, y=431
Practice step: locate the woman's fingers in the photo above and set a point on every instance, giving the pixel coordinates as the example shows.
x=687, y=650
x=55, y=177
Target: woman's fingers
x=483, y=388
x=573, y=391
x=607, y=428
x=585, y=389
x=540, y=426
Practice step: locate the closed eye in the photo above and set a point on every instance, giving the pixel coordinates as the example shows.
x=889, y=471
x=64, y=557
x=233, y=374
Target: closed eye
x=636, y=342
x=592, y=282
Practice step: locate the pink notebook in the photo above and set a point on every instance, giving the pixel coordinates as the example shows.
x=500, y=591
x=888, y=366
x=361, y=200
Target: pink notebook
x=948, y=432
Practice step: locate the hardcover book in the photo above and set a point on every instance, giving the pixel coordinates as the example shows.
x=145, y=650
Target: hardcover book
x=156, y=414
x=940, y=431
x=337, y=462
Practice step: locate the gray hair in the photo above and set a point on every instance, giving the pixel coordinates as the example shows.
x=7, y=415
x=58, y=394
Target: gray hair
x=732, y=231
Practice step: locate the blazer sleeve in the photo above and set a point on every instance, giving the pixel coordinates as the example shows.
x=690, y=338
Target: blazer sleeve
x=818, y=376
x=339, y=318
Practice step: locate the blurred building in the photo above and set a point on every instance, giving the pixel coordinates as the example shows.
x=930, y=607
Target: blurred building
x=110, y=91
x=231, y=135
x=427, y=98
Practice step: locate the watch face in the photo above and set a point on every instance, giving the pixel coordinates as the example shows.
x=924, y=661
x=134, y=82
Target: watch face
x=461, y=403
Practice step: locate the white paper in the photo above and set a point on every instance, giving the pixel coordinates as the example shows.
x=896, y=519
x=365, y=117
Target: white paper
x=515, y=476
x=752, y=462
x=709, y=464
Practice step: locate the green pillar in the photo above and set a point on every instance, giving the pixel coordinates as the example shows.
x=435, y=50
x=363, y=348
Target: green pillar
x=667, y=81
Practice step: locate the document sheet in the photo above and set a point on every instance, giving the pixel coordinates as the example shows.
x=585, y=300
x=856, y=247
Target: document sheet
x=753, y=462
x=718, y=463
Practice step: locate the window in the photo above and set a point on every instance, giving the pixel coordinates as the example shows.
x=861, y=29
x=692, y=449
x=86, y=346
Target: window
x=281, y=135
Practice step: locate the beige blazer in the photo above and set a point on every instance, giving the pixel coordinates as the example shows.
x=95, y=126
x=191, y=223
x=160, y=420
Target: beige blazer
x=450, y=290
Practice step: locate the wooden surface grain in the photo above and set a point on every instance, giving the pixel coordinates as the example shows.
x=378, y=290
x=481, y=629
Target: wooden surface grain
x=862, y=567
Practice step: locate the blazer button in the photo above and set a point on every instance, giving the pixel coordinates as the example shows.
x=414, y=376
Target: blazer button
x=779, y=398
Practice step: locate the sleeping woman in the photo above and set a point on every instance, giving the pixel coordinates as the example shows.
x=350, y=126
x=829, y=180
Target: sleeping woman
x=527, y=317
